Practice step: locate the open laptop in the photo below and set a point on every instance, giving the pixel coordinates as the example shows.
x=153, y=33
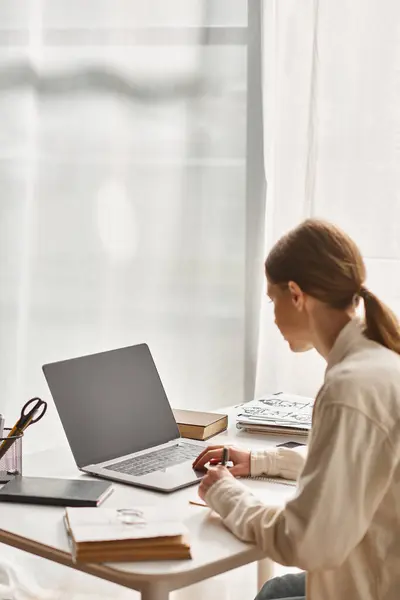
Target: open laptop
x=118, y=420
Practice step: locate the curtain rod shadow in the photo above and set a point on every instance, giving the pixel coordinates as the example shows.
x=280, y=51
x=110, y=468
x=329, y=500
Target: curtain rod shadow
x=97, y=79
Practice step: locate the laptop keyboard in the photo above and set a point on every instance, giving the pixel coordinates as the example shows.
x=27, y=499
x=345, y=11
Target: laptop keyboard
x=157, y=460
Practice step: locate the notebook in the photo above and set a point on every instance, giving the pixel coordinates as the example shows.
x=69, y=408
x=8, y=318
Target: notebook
x=59, y=492
x=125, y=535
x=279, y=480
x=198, y=425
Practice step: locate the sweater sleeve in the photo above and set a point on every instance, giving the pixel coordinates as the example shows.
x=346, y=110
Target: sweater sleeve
x=348, y=470
x=279, y=462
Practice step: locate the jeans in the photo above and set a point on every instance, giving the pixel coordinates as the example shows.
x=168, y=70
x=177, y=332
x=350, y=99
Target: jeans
x=289, y=587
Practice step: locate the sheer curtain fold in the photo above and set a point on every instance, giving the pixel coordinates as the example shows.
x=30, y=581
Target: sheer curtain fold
x=332, y=146
x=124, y=199
x=132, y=210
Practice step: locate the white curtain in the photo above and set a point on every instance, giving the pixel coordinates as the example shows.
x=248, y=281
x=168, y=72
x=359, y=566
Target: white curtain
x=124, y=203
x=332, y=141
x=130, y=211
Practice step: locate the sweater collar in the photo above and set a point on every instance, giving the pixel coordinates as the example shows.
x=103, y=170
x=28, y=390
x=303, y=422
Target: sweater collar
x=348, y=338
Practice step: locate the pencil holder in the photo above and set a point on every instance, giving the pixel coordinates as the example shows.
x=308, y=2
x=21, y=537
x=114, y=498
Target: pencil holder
x=11, y=462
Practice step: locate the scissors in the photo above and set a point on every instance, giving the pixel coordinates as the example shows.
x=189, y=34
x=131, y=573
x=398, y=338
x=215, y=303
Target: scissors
x=31, y=413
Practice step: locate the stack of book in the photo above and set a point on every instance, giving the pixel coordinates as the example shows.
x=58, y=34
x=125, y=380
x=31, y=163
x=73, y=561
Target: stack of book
x=125, y=535
x=282, y=414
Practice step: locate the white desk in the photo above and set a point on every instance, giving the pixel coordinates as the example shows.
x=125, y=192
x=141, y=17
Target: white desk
x=40, y=530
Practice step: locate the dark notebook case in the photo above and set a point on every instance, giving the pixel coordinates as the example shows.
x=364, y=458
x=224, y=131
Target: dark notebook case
x=58, y=492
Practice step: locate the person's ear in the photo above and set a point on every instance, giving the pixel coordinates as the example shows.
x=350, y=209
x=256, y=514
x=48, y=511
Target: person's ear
x=297, y=295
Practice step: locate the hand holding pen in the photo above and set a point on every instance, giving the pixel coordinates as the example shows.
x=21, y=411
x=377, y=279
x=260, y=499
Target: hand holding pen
x=215, y=474
x=214, y=455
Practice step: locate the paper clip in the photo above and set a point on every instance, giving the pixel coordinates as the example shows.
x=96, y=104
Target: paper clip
x=131, y=516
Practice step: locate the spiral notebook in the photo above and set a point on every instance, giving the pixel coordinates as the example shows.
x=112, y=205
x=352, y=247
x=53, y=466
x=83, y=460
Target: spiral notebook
x=278, y=480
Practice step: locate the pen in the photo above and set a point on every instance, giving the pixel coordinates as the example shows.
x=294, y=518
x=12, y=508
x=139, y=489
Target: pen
x=198, y=503
x=7, y=443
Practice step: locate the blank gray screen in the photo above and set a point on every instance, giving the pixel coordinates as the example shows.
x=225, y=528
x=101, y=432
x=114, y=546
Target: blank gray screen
x=111, y=404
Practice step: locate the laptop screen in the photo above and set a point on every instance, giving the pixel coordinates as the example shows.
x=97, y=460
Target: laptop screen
x=111, y=404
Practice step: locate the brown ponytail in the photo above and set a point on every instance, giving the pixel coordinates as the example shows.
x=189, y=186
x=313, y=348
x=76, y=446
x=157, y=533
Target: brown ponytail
x=381, y=324
x=326, y=264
